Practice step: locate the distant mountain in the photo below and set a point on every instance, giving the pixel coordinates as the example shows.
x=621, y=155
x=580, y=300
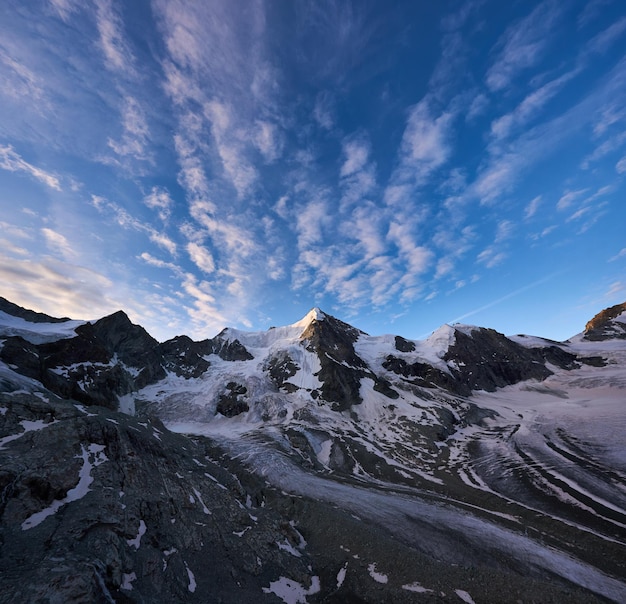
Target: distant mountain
x=310, y=463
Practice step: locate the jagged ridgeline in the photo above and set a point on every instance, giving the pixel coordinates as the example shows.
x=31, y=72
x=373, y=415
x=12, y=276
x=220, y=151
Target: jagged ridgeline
x=310, y=463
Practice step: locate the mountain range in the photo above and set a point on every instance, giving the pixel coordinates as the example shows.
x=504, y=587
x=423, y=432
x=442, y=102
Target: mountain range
x=310, y=463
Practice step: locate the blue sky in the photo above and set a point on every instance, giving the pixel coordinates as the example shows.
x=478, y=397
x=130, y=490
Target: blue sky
x=398, y=164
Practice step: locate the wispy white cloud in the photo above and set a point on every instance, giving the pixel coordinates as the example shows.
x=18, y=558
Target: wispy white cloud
x=125, y=220
x=10, y=247
x=613, y=114
x=523, y=44
x=591, y=11
x=159, y=199
x=615, y=288
x=230, y=148
x=356, y=151
x=357, y=172
x=416, y=258
x=112, y=41
x=426, y=141
x=529, y=107
x=152, y=261
x=228, y=234
x=505, y=164
x=605, y=39
x=323, y=111
x=610, y=145
x=620, y=166
x=201, y=257
x=58, y=288
x=268, y=140
x=204, y=312
x=532, y=207
x=58, y=243
x=12, y=230
x=478, y=106
x=498, y=177
x=569, y=197
x=20, y=82
x=192, y=175
x=135, y=135
x=65, y=8
x=491, y=256
x=310, y=221
x=162, y=240
x=620, y=254
x=365, y=226
x=504, y=231
x=545, y=232
x=444, y=267
x=10, y=160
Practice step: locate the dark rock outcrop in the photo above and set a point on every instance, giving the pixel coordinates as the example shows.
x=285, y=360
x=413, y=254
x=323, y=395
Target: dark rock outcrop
x=229, y=350
x=231, y=402
x=604, y=327
x=184, y=357
x=403, y=345
x=103, y=507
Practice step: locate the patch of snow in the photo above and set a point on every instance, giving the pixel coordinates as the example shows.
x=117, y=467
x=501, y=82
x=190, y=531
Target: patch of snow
x=416, y=587
x=464, y=596
x=82, y=409
x=141, y=531
x=37, y=333
x=92, y=456
x=324, y=453
x=378, y=577
x=341, y=575
x=192, y=579
x=292, y=592
x=216, y=481
x=287, y=547
x=3, y=410
x=127, y=404
x=28, y=426
x=205, y=509
x=127, y=581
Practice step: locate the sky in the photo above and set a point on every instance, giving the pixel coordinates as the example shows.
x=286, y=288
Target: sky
x=400, y=165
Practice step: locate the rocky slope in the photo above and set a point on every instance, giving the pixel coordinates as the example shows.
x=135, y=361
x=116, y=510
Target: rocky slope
x=309, y=463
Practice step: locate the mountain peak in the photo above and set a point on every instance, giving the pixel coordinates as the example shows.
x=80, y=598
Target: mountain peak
x=315, y=314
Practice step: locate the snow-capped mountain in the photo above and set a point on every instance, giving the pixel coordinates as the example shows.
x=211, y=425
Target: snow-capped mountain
x=347, y=467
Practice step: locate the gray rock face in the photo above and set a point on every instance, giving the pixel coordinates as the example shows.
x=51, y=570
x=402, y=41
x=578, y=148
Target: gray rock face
x=100, y=507
x=342, y=369
x=604, y=326
x=229, y=350
x=184, y=357
x=232, y=401
x=105, y=360
x=487, y=360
